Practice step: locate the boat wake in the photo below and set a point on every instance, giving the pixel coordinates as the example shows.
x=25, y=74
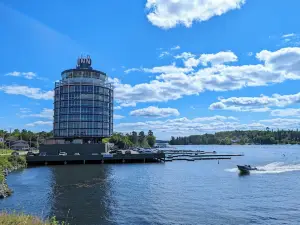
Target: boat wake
x=275, y=167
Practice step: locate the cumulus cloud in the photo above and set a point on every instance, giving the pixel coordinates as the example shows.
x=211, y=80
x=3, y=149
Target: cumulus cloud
x=39, y=123
x=218, y=58
x=255, y=104
x=285, y=60
x=35, y=93
x=27, y=75
x=184, y=55
x=170, y=13
x=289, y=112
x=190, y=60
x=175, y=82
x=153, y=111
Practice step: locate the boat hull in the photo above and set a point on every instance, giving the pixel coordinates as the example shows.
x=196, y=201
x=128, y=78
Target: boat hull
x=245, y=169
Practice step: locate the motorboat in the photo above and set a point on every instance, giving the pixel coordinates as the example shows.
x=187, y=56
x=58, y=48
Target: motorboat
x=246, y=168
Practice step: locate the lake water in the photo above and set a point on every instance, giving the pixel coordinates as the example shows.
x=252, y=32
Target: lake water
x=178, y=192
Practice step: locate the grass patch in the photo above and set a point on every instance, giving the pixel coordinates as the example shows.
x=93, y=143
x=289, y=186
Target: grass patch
x=16, y=219
x=5, y=151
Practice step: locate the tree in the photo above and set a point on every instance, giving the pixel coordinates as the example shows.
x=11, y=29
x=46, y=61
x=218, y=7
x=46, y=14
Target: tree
x=151, y=140
x=134, y=138
x=150, y=133
x=141, y=138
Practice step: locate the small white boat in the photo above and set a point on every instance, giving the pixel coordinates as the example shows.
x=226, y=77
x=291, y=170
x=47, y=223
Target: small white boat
x=245, y=168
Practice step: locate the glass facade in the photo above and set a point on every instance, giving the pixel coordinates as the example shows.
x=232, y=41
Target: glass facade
x=83, y=104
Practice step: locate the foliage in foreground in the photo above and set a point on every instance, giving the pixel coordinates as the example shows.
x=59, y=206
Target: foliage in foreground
x=16, y=219
x=5, y=151
x=133, y=139
x=9, y=162
x=241, y=137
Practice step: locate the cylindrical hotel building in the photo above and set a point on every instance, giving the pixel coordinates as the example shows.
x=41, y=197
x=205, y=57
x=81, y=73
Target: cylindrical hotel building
x=83, y=104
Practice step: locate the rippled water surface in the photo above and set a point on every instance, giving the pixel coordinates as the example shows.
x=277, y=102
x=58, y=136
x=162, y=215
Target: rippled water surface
x=179, y=192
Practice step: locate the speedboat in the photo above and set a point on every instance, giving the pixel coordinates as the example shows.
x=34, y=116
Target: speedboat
x=246, y=168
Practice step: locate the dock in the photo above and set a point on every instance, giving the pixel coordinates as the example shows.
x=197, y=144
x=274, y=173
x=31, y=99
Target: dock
x=135, y=157
x=95, y=159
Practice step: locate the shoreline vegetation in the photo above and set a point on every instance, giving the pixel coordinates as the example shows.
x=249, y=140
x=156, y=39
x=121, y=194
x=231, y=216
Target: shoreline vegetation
x=19, y=218
x=9, y=163
x=133, y=139
x=238, y=137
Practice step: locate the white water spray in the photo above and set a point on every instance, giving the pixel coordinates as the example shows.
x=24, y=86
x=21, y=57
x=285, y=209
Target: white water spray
x=275, y=167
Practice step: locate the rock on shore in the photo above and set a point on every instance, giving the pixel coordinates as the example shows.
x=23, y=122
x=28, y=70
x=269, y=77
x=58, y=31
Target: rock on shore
x=4, y=190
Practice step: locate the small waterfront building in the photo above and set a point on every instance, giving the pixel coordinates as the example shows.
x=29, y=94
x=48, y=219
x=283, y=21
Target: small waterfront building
x=19, y=145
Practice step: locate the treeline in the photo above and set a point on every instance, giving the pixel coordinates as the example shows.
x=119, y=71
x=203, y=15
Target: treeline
x=132, y=139
x=33, y=138
x=266, y=137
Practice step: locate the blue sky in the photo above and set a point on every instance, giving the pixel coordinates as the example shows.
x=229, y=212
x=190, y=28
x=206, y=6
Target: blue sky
x=178, y=67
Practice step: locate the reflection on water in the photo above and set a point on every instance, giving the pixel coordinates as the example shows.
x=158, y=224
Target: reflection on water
x=179, y=192
x=81, y=196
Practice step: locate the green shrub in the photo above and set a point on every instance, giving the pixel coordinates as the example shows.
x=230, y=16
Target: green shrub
x=16, y=219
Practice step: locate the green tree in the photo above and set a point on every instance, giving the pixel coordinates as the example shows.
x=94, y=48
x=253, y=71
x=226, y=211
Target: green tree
x=151, y=138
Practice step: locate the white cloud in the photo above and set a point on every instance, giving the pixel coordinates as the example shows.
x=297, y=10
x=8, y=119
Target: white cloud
x=35, y=93
x=25, y=110
x=288, y=35
x=282, y=123
x=128, y=104
x=184, y=55
x=214, y=59
x=289, y=112
x=14, y=74
x=117, y=107
x=132, y=70
x=177, y=47
x=286, y=60
x=168, y=14
x=255, y=104
x=153, y=111
x=40, y=123
x=185, y=126
x=191, y=62
x=163, y=54
x=118, y=117
x=200, y=125
x=175, y=82
x=27, y=75
x=46, y=113
x=218, y=58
